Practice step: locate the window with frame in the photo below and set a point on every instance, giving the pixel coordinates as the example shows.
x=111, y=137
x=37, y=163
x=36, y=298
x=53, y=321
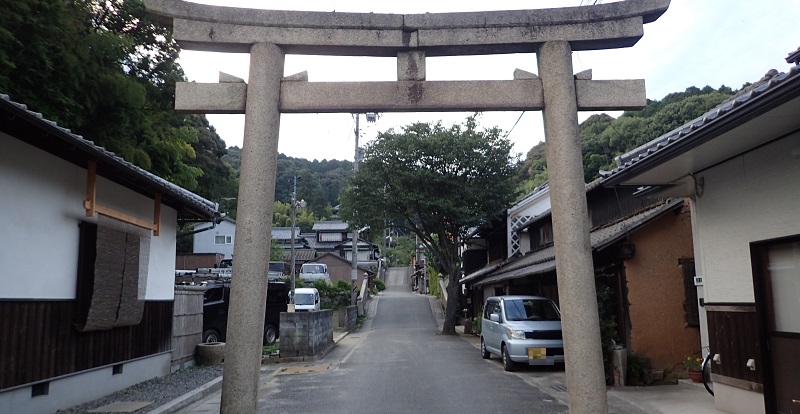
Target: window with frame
x=222, y=239
x=490, y=308
x=546, y=233
x=330, y=237
x=113, y=259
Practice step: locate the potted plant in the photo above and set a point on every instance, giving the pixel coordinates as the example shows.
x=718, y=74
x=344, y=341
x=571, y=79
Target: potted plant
x=694, y=366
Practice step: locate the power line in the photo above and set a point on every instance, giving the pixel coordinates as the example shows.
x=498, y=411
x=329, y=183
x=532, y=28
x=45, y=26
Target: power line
x=515, y=124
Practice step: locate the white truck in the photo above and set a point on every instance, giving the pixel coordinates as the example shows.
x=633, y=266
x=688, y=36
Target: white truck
x=311, y=272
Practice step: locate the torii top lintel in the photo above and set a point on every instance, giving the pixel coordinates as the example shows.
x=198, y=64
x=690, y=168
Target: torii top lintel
x=229, y=29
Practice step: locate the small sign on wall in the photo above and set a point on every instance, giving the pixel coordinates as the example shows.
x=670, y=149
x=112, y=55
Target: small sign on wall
x=698, y=280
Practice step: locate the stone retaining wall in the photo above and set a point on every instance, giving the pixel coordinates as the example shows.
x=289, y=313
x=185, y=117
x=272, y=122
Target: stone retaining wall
x=306, y=333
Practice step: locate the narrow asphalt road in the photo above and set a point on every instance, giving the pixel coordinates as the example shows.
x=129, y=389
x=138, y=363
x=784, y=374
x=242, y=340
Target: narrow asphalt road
x=399, y=363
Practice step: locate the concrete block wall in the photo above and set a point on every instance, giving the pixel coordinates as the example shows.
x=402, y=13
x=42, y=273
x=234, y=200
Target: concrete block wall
x=351, y=318
x=187, y=325
x=306, y=333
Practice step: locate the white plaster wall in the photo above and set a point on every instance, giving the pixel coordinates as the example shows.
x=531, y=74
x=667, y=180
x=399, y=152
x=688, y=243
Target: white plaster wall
x=41, y=206
x=533, y=207
x=737, y=401
x=750, y=198
x=204, y=241
x=93, y=384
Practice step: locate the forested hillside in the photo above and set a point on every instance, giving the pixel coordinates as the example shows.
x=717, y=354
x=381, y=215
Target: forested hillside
x=604, y=137
x=319, y=182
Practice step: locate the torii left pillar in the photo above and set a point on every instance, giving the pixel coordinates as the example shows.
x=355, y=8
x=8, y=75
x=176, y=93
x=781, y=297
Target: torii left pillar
x=253, y=230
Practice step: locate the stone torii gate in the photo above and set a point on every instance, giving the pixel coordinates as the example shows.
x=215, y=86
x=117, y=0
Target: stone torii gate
x=553, y=34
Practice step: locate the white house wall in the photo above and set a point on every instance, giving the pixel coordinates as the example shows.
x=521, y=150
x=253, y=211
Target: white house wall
x=750, y=198
x=41, y=207
x=204, y=241
x=534, y=206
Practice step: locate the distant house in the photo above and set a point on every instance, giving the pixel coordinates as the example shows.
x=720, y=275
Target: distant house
x=740, y=165
x=334, y=237
x=642, y=255
x=328, y=235
x=342, y=269
x=92, y=241
x=222, y=237
x=367, y=252
x=218, y=239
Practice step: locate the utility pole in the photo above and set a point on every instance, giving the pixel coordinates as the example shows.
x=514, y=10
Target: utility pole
x=295, y=204
x=354, y=255
x=371, y=117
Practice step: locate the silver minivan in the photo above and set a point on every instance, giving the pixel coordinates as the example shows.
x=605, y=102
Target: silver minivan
x=522, y=329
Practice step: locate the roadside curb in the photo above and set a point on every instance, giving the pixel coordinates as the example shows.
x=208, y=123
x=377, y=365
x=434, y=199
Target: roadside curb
x=215, y=385
x=190, y=397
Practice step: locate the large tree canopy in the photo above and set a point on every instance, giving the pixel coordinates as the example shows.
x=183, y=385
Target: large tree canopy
x=107, y=70
x=439, y=183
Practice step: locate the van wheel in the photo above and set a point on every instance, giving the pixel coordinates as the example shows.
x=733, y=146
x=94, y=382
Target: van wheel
x=508, y=364
x=484, y=353
x=211, y=335
x=270, y=335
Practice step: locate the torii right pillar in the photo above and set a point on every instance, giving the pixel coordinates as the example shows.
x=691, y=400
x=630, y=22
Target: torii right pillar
x=574, y=268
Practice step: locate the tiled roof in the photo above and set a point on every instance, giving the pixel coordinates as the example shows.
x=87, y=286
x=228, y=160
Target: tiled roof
x=330, y=226
x=62, y=143
x=543, y=260
x=794, y=57
x=688, y=133
x=285, y=233
x=300, y=255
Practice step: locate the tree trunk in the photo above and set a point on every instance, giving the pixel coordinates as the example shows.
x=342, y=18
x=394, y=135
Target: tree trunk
x=451, y=312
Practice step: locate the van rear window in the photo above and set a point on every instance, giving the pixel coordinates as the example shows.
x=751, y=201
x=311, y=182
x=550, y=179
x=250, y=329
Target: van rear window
x=303, y=299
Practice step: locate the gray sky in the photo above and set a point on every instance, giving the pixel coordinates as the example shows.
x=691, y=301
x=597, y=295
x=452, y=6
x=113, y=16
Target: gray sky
x=695, y=43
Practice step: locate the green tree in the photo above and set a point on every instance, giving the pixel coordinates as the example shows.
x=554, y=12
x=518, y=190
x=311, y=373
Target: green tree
x=107, y=70
x=439, y=183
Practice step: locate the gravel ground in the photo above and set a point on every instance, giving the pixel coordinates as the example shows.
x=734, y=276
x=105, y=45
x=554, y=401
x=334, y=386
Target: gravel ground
x=159, y=390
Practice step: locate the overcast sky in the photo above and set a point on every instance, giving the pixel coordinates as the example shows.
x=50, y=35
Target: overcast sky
x=695, y=43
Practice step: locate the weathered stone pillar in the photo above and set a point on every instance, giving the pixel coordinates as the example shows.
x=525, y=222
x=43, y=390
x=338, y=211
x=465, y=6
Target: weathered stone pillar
x=576, y=290
x=253, y=231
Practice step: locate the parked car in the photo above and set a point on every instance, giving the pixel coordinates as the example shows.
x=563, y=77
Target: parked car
x=311, y=272
x=216, y=301
x=275, y=271
x=306, y=299
x=522, y=329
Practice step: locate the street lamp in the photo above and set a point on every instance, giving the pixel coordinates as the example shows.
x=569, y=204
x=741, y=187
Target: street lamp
x=295, y=205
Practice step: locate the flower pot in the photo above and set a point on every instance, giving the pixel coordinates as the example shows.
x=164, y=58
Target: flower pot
x=696, y=376
x=210, y=353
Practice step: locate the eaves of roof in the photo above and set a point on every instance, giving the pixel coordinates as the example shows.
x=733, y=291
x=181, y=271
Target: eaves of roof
x=522, y=224
x=763, y=97
x=330, y=226
x=486, y=269
x=794, y=57
x=543, y=260
x=32, y=128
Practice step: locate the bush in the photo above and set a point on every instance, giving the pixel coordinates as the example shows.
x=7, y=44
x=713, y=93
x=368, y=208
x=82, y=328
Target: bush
x=379, y=285
x=333, y=296
x=637, y=370
x=476, y=325
x=343, y=286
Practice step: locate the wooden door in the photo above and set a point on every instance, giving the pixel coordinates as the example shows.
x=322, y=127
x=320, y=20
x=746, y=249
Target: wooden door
x=780, y=284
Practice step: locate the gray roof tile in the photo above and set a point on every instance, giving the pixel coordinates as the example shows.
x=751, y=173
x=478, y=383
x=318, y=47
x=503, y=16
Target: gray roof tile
x=687, y=132
x=543, y=260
